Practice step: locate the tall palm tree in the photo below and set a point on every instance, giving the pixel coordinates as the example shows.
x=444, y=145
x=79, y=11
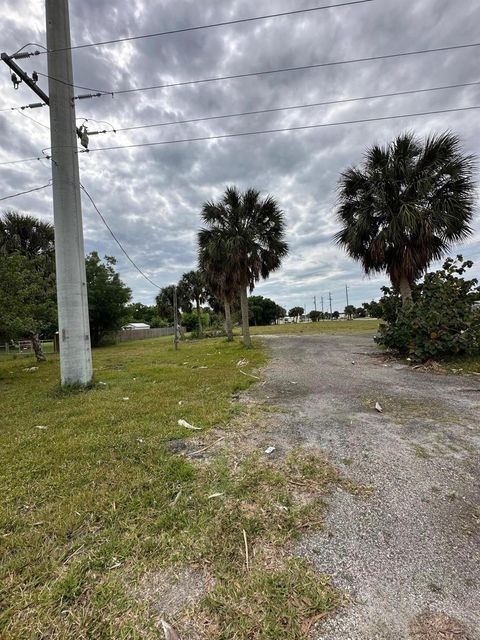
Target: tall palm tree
x=405, y=206
x=248, y=233
x=25, y=234
x=192, y=287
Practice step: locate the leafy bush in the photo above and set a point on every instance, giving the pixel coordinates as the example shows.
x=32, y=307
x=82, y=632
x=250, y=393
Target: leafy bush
x=190, y=321
x=157, y=323
x=443, y=319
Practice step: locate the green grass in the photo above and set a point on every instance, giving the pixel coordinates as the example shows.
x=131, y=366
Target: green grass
x=327, y=326
x=15, y=354
x=462, y=365
x=94, y=500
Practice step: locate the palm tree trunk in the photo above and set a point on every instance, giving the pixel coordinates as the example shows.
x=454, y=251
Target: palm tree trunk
x=405, y=291
x=245, y=327
x=228, y=320
x=199, y=318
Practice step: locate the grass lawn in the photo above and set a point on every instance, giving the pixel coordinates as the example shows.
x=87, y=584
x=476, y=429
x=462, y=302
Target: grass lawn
x=96, y=503
x=328, y=326
x=466, y=364
x=15, y=354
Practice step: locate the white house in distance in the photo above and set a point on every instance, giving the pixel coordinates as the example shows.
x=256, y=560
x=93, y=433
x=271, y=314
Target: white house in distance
x=135, y=326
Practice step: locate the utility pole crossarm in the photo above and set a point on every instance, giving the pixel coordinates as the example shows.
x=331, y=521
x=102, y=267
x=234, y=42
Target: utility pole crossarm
x=25, y=77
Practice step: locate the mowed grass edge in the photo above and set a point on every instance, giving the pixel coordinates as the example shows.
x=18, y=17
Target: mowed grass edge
x=369, y=325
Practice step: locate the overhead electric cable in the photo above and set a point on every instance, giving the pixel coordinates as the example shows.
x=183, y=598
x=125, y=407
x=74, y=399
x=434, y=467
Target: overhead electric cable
x=21, y=193
x=210, y=26
x=24, y=160
x=261, y=111
x=25, y=106
x=289, y=108
x=33, y=120
x=280, y=130
x=260, y=132
x=264, y=72
x=116, y=239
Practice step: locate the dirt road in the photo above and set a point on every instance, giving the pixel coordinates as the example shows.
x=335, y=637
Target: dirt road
x=409, y=555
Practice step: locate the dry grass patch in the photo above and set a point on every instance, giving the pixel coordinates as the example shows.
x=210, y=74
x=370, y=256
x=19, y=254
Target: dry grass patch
x=437, y=626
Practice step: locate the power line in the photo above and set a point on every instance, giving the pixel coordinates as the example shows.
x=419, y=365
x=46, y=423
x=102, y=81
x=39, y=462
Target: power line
x=290, y=108
x=261, y=111
x=21, y=193
x=117, y=240
x=265, y=72
x=25, y=160
x=30, y=44
x=25, y=106
x=75, y=86
x=33, y=120
x=279, y=130
x=260, y=132
x=210, y=26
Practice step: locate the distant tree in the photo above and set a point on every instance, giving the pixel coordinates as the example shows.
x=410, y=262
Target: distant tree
x=373, y=309
x=156, y=322
x=360, y=312
x=335, y=315
x=405, y=206
x=192, y=286
x=247, y=233
x=315, y=316
x=28, y=298
x=264, y=311
x=349, y=311
x=107, y=297
x=190, y=321
x=164, y=301
x=27, y=279
x=25, y=234
x=139, y=312
x=280, y=312
x=295, y=312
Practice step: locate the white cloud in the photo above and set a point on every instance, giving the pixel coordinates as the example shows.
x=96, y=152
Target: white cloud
x=152, y=196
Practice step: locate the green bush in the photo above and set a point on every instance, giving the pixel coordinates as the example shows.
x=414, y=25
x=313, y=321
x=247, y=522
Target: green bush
x=157, y=323
x=443, y=319
x=190, y=321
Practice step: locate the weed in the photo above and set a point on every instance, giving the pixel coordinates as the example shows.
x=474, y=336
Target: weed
x=421, y=452
x=96, y=499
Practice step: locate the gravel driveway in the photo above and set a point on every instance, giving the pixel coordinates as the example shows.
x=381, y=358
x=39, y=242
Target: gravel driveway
x=409, y=555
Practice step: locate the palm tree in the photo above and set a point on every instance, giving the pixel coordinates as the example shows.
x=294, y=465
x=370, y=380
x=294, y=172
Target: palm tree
x=25, y=234
x=247, y=233
x=220, y=278
x=192, y=287
x=405, y=206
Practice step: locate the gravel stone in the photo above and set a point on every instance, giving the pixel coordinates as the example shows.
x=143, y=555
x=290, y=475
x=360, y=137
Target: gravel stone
x=412, y=549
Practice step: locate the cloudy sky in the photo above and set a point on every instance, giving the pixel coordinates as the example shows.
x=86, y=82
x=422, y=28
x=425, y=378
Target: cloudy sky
x=151, y=196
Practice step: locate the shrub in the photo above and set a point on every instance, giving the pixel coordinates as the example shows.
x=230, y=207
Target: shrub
x=190, y=321
x=157, y=323
x=443, y=319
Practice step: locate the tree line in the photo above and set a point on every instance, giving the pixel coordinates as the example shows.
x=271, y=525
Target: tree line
x=398, y=211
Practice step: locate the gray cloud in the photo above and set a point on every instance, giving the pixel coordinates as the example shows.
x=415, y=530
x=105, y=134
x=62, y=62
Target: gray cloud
x=152, y=196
